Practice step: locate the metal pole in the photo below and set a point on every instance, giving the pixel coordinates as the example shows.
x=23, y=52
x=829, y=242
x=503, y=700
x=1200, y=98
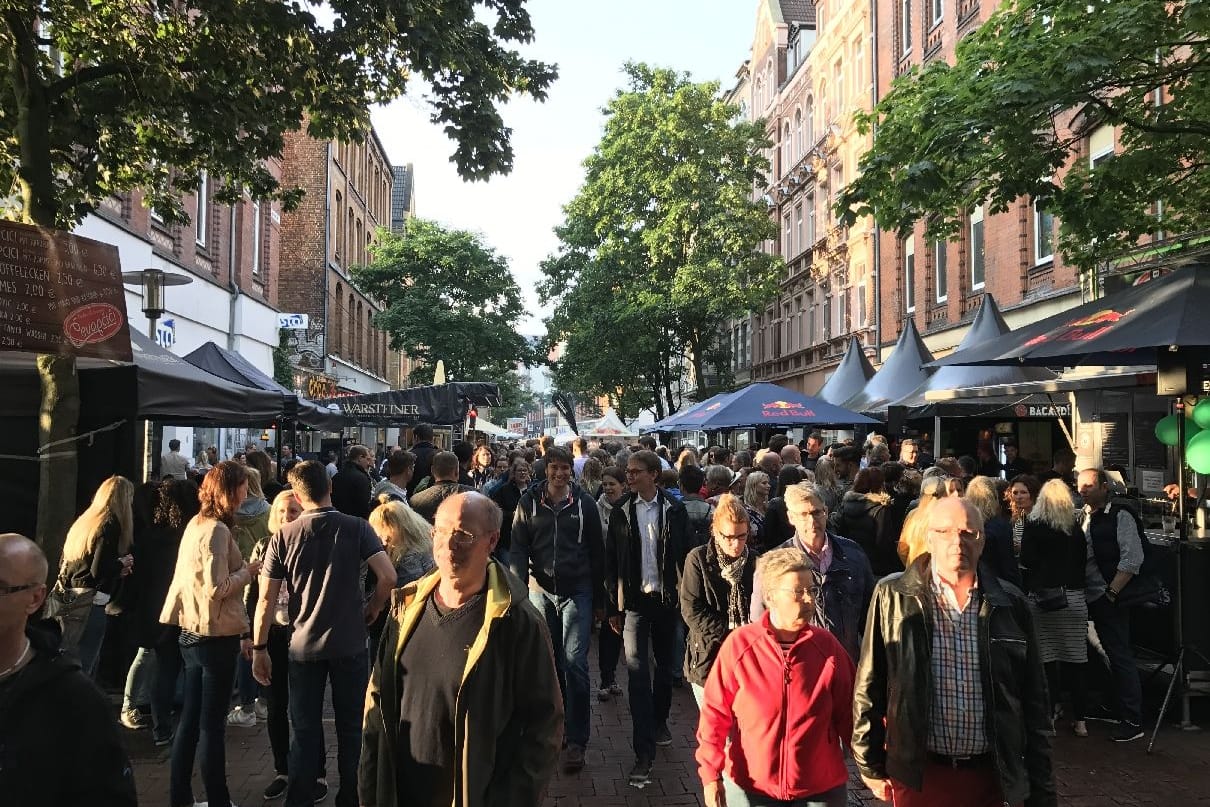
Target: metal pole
x=148, y=426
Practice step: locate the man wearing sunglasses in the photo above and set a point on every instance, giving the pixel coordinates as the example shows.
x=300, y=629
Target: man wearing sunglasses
x=950, y=706
x=464, y=704
x=78, y=761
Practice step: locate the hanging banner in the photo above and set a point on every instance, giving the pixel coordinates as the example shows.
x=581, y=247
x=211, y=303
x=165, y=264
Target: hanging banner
x=61, y=294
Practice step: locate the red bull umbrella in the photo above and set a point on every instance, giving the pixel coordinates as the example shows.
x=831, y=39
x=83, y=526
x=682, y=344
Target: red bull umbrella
x=766, y=404
x=1125, y=328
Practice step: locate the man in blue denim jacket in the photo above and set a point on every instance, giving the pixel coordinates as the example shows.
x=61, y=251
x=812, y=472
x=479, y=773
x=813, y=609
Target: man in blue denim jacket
x=848, y=582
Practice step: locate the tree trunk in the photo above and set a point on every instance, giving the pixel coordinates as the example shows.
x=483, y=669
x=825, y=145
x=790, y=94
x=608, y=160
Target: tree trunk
x=699, y=366
x=60, y=408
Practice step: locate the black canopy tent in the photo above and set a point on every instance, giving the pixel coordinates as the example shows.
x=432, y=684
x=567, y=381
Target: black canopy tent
x=987, y=325
x=850, y=376
x=238, y=370
x=903, y=371
x=439, y=405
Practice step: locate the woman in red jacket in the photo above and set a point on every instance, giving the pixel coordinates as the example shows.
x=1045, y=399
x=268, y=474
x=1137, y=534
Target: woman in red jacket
x=781, y=690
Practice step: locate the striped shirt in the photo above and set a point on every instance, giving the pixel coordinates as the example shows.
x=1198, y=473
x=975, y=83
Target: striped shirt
x=957, y=722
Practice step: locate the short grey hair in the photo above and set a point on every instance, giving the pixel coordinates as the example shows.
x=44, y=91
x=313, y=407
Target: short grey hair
x=777, y=562
x=801, y=493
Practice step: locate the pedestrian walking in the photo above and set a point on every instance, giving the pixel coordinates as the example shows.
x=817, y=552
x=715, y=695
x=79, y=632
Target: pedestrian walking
x=950, y=705
x=445, y=471
x=464, y=707
x=609, y=641
x=318, y=558
x=351, y=485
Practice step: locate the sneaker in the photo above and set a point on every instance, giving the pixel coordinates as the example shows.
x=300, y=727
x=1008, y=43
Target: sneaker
x=604, y=694
x=663, y=737
x=134, y=719
x=573, y=760
x=640, y=774
x=165, y=740
x=321, y=790
x=1080, y=728
x=1127, y=732
x=1102, y=714
x=244, y=718
x=276, y=788
x=615, y=689
x=261, y=709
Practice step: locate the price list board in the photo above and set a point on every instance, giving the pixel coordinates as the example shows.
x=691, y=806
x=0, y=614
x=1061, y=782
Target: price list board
x=61, y=294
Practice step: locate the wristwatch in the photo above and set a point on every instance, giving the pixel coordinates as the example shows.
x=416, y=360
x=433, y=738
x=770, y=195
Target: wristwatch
x=1111, y=594
x=256, y=647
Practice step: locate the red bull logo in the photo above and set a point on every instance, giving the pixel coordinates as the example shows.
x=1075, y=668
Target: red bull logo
x=781, y=409
x=1084, y=329
x=1107, y=315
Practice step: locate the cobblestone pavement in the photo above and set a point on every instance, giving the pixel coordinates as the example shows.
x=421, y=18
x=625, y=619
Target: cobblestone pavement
x=1090, y=771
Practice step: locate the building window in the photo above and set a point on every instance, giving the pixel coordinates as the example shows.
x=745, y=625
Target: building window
x=810, y=122
x=799, y=244
x=939, y=267
x=335, y=234
x=256, y=245
x=800, y=145
x=1100, y=146
x=786, y=234
x=905, y=24
x=909, y=274
x=827, y=315
x=810, y=205
x=858, y=60
x=1044, y=234
x=978, y=259
x=337, y=333
x=834, y=188
x=201, y=220
x=936, y=11
x=809, y=327
x=838, y=98
x=787, y=159
x=842, y=312
x=861, y=306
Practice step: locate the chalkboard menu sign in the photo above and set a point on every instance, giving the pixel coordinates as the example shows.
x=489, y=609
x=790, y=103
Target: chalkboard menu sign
x=1148, y=450
x=61, y=294
x=1115, y=439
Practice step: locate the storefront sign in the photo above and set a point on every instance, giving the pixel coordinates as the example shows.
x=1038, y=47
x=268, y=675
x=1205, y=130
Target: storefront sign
x=165, y=333
x=515, y=425
x=294, y=322
x=380, y=409
x=319, y=387
x=60, y=293
x=1043, y=410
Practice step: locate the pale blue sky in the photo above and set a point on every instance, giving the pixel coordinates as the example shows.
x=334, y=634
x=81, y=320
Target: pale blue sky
x=590, y=42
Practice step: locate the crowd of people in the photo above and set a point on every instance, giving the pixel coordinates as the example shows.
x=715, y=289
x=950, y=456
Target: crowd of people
x=924, y=617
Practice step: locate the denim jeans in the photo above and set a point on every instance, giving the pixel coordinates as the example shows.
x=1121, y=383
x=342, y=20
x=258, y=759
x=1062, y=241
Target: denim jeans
x=650, y=631
x=609, y=650
x=168, y=663
x=277, y=701
x=570, y=622
x=349, y=677
x=140, y=679
x=736, y=796
x=836, y=797
x=246, y=688
x=83, y=633
x=209, y=673
x=1113, y=628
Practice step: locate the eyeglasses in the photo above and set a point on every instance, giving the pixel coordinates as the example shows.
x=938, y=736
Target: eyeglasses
x=14, y=589
x=455, y=537
x=819, y=511
x=797, y=593
x=954, y=532
x=722, y=536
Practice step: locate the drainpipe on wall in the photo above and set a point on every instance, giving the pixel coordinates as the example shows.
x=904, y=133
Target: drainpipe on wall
x=323, y=361
x=232, y=285
x=877, y=234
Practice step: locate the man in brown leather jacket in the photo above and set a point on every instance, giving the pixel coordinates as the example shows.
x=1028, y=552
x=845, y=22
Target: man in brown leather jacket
x=950, y=703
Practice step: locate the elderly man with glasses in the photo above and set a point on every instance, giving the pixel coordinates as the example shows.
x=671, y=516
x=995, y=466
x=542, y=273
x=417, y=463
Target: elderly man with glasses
x=848, y=582
x=464, y=705
x=40, y=687
x=950, y=706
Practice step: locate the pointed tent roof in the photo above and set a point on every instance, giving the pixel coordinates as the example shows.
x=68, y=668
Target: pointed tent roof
x=988, y=324
x=610, y=425
x=902, y=372
x=850, y=376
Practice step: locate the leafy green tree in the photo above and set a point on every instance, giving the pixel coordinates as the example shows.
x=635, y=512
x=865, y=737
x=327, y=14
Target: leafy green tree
x=446, y=295
x=660, y=247
x=1007, y=118
x=98, y=98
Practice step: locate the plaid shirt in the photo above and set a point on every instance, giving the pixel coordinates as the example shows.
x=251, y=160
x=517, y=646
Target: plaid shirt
x=957, y=722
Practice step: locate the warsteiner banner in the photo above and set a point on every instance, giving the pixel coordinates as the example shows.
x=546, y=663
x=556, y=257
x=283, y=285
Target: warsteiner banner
x=60, y=293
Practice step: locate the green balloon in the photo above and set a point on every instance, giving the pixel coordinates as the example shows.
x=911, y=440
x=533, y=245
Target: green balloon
x=1165, y=430
x=1198, y=453
x=1201, y=413
x=1191, y=430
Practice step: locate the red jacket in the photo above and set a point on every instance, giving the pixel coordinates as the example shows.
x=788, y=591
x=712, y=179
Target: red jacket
x=785, y=717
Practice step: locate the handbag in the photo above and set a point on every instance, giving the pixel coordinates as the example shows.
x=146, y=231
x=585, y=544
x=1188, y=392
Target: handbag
x=60, y=600
x=1053, y=598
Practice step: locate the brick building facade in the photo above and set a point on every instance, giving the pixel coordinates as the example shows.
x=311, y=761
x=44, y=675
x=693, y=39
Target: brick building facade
x=348, y=197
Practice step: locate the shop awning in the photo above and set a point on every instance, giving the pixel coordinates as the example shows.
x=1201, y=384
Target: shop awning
x=765, y=404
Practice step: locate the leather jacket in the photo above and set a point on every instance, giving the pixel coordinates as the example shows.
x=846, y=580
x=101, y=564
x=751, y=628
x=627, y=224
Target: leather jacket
x=894, y=682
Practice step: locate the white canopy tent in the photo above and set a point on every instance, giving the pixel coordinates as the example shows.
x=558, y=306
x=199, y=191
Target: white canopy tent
x=492, y=430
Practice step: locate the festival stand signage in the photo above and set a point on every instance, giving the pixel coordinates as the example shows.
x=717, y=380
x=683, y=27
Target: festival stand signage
x=61, y=294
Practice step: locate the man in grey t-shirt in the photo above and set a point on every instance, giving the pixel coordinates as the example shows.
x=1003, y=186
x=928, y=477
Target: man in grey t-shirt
x=318, y=557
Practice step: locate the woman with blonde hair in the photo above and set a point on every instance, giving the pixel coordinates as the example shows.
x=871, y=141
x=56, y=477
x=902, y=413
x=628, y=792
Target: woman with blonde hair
x=756, y=502
x=984, y=494
x=205, y=601
x=1053, y=555
x=687, y=457
x=96, y=556
x=405, y=536
x=913, y=539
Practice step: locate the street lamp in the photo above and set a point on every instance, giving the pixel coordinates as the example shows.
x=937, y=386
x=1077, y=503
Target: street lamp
x=152, y=282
